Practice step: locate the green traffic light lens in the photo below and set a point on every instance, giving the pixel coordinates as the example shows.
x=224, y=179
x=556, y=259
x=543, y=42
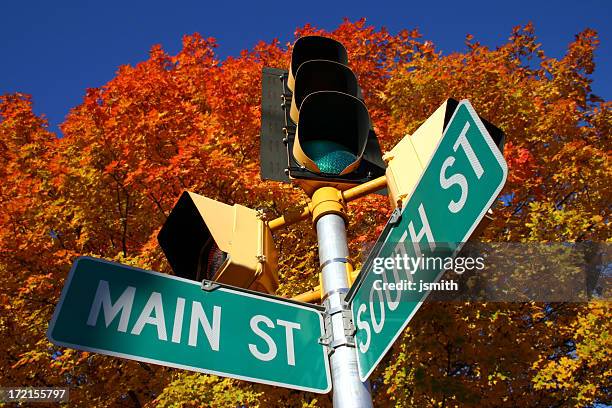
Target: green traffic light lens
x=330, y=157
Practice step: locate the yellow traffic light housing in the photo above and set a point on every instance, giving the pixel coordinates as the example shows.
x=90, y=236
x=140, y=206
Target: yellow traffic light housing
x=323, y=121
x=205, y=239
x=332, y=133
x=345, y=152
x=409, y=158
x=407, y=161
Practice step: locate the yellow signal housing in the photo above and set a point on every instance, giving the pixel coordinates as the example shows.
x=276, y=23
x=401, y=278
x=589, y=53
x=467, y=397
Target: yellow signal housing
x=205, y=239
x=335, y=127
x=408, y=159
x=329, y=136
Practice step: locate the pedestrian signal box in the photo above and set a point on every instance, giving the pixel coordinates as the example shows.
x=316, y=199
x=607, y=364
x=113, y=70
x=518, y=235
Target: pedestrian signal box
x=205, y=239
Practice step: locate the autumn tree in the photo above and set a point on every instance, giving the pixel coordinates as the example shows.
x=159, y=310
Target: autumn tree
x=191, y=121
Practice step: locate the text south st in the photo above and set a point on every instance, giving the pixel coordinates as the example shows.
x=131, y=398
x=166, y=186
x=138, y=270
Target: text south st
x=153, y=314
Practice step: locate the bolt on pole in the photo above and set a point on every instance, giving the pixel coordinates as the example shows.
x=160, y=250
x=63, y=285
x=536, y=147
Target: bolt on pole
x=348, y=390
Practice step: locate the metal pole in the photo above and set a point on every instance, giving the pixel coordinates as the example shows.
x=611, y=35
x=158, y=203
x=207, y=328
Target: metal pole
x=349, y=391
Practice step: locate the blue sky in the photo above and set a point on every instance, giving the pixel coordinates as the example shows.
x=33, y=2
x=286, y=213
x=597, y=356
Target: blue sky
x=54, y=50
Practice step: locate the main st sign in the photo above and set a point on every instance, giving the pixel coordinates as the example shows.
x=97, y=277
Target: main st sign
x=147, y=316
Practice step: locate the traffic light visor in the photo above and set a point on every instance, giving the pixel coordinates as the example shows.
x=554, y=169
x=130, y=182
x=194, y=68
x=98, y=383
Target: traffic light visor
x=321, y=75
x=314, y=48
x=332, y=133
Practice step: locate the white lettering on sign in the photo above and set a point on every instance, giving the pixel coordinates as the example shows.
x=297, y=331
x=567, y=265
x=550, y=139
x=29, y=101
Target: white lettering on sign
x=102, y=300
x=153, y=314
x=377, y=307
x=289, y=327
x=272, y=351
x=370, y=313
x=363, y=325
x=400, y=251
x=424, y=231
x=458, y=178
x=377, y=325
x=153, y=304
x=469, y=152
x=212, y=331
x=177, y=329
x=377, y=317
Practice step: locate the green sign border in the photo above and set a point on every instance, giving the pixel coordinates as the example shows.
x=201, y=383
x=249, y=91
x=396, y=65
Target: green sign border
x=365, y=271
x=223, y=288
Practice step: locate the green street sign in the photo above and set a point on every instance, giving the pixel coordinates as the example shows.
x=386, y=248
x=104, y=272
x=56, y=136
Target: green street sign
x=462, y=180
x=147, y=316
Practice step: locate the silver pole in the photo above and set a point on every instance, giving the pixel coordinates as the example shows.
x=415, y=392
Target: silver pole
x=349, y=391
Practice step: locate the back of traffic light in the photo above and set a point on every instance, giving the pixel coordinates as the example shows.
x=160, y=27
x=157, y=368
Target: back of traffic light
x=408, y=159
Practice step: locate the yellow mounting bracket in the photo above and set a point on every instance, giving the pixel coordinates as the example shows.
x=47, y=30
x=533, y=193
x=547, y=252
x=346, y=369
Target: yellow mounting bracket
x=327, y=200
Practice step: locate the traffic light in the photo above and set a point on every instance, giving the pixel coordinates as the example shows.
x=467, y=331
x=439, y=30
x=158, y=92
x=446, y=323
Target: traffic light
x=327, y=130
x=407, y=160
x=205, y=239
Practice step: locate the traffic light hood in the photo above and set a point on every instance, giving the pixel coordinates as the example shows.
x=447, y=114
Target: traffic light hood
x=321, y=75
x=314, y=48
x=332, y=133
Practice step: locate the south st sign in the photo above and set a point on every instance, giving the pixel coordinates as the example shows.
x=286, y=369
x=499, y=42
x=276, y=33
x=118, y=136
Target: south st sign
x=147, y=316
x=463, y=178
